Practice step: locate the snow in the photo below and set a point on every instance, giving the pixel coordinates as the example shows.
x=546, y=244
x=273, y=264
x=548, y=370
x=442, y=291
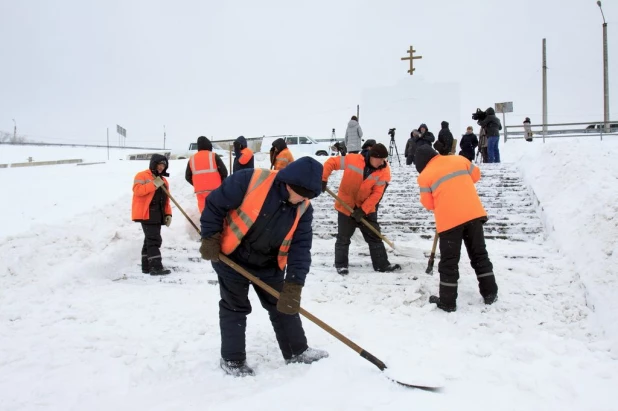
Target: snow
x=82, y=328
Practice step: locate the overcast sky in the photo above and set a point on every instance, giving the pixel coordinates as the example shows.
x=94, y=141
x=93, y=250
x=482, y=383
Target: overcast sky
x=71, y=68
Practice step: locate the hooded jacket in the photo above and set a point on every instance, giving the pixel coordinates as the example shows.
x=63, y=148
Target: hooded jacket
x=445, y=137
x=491, y=123
x=203, y=145
x=425, y=138
x=244, y=155
x=353, y=136
x=281, y=156
x=150, y=204
x=260, y=246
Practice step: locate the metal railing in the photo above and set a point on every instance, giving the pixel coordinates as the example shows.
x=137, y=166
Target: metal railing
x=561, y=130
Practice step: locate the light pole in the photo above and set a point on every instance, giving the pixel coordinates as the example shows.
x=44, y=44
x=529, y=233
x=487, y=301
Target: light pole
x=14, y=131
x=605, y=73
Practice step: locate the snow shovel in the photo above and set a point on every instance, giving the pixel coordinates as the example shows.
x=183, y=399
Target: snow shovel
x=366, y=355
x=405, y=253
x=432, y=256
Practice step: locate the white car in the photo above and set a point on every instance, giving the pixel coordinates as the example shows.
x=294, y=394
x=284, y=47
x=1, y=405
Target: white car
x=299, y=145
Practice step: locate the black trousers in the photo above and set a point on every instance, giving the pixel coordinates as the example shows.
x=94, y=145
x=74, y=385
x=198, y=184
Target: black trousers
x=473, y=237
x=346, y=226
x=409, y=160
x=234, y=307
x=151, y=250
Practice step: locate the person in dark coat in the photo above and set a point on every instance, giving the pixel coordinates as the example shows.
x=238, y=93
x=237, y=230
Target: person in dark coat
x=411, y=146
x=492, y=126
x=468, y=144
x=444, y=145
x=151, y=207
x=280, y=205
x=426, y=136
x=244, y=155
x=528, y=130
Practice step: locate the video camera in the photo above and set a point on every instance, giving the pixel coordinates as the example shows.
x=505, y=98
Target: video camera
x=479, y=115
x=391, y=132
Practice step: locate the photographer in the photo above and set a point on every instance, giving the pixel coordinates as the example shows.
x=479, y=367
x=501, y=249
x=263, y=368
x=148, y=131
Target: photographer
x=492, y=126
x=426, y=137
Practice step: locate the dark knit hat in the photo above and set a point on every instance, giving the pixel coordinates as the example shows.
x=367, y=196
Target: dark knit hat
x=302, y=191
x=368, y=144
x=378, y=151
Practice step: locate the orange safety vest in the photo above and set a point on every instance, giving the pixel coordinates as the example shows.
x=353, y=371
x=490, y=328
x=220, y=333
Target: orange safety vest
x=283, y=159
x=238, y=222
x=447, y=187
x=206, y=176
x=245, y=155
x=143, y=191
x=353, y=190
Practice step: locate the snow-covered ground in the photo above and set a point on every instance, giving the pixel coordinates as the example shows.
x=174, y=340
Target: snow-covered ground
x=82, y=328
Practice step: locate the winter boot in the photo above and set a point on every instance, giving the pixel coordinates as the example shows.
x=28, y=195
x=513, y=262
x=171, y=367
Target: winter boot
x=159, y=271
x=490, y=298
x=445, y=307
x=342, y=270
x=236, y=368
x=390, y=268
x=307, y=357
x=145, y=264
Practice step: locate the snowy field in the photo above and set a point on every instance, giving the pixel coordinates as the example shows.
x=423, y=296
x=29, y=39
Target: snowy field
x=82, y=328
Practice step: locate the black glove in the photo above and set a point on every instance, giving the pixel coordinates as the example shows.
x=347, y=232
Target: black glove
x=358, y=214
x=289, y=298
x=324, y=186
x=211, y=247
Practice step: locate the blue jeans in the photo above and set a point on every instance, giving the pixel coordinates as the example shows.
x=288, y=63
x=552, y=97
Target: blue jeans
x=493, y=152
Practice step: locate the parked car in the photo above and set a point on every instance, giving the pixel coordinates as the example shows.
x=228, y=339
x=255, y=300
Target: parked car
x=299, y=145
x=595, y=128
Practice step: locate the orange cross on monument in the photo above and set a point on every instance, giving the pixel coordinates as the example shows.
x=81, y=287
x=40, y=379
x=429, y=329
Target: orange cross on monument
x=411, y=58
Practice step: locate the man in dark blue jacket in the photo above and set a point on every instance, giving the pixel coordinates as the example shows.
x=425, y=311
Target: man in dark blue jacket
x=243, y=155
x=259, y=250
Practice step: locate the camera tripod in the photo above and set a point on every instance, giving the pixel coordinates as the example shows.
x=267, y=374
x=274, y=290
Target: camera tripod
x=392, y=148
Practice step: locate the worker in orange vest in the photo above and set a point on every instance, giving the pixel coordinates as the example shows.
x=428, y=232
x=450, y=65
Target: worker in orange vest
x=151, y=207
x=280, y=155
x=365, y=178
x=205, y=171
x=447, y=188
x=261, y=219
x=243, y=155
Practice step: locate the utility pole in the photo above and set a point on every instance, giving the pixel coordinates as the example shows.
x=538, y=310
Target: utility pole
x=14, y=131
x=605, y=74
x=108, y=143
x=358, y=112
x=164, y=136
x=544, y=88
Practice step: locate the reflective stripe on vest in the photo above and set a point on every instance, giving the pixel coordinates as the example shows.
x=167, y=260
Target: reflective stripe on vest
x=239, y=221
x=447, y=177
x=206, y=175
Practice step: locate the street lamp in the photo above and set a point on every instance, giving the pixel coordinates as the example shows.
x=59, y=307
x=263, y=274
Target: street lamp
x=605, y=73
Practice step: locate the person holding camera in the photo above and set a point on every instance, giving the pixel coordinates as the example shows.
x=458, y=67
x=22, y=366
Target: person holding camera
x=365, y=177
x=426, y=137
x=492, y=126
x=353, y=136
x=244, y=155
x=447, y=188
